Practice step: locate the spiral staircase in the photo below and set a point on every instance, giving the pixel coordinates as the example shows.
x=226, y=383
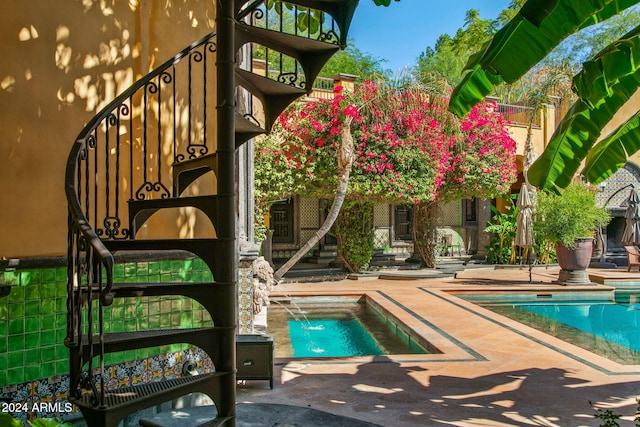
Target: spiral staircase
x=174, y=130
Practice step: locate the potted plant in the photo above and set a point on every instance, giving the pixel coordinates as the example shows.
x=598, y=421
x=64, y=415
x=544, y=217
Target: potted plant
x=570, y=219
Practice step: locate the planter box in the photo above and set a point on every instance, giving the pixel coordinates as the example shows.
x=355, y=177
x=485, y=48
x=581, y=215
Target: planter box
x=254, y=357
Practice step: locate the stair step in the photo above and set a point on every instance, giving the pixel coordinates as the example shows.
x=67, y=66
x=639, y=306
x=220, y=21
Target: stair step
x=341, y=10
x=187, y=171
x=246, y=129
x=207, y=249
x=135, y=289
x=273, y=95
x=209, y=295
x=141, y=210
x=121, y=402
x=123, y=341
x=311, y=54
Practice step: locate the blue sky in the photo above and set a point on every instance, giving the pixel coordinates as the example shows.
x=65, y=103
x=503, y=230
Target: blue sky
x=400, y=32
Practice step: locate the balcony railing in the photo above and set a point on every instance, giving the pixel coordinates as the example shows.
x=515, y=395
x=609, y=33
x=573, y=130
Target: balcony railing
x=519, y=115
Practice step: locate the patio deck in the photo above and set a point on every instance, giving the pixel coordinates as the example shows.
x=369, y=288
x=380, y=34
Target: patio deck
x=493, y=371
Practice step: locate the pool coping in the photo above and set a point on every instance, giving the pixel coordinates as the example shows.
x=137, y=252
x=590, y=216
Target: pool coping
x=451, y=349
x=455, y=349
x=583, y=356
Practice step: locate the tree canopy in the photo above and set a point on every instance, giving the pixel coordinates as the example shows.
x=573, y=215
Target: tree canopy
x=353, y=61
x=408, y=149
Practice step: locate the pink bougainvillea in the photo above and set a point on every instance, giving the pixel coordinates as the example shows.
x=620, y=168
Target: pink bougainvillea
x=409, y=148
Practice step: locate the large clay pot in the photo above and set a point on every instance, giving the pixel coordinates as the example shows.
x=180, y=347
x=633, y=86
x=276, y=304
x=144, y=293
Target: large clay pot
x=574, y=262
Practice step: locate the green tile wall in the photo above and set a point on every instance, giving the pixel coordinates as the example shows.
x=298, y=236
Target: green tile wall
x=33, y=316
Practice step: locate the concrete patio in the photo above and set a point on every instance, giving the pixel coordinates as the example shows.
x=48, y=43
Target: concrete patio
x=492, y=371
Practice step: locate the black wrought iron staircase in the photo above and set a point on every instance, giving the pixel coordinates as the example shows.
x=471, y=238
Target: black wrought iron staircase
x=155, y=148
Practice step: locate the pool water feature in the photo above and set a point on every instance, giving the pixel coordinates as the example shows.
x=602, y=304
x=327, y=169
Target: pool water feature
x=608, y=328
x=310, y=327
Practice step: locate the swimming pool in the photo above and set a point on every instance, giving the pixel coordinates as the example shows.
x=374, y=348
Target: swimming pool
x=610, y=328
x=335, y=327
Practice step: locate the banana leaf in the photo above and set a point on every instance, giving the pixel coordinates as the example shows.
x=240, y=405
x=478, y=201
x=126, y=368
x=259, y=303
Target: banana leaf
x=617, y=60
x=576, y=134
x=539, y=27
x=604, y=85
x=611, y=153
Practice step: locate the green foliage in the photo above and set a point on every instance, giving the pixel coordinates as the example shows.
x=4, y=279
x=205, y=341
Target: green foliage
x=538, y=35
x=353, y=61
x=49, y=422
x=7, y=420
x=609, y=418
x=584, y=44
x=503, y=227
x=604, y=86
x=545, y=249
x=447, y=59
x=274, y=180
x=570, y=215
x=523, y=42
x=354, y=230
x=610, y=154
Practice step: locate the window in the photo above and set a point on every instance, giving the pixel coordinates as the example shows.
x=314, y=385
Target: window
x=282, y=222
x=470, y=210
x=403, y=222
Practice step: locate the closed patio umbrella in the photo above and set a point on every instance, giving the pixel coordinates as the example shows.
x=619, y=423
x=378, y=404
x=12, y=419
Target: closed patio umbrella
x=524, y=222
x=631, y=233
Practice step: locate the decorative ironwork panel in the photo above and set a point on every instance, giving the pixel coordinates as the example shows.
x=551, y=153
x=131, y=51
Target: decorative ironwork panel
x=305, y=235
x=309, y=213
x=382, y=238
x=381, y=215
x=451, y=214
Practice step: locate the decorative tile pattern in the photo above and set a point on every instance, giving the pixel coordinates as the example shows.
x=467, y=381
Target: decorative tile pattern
x=614, y=194
x=245, y=297
x=33, y=358
x=53, y=391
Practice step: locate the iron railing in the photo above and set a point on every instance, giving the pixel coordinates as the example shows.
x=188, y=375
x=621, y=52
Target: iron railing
x=520, y=115
x=126, y=153
x=290, y=19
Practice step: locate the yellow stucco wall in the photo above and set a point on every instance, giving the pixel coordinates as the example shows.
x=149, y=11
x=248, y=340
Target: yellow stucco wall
x=62, y=61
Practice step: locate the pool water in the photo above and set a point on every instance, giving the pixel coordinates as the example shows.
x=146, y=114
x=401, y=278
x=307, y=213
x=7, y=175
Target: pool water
x=608, y=328
x=309, y=327
x=331, y=337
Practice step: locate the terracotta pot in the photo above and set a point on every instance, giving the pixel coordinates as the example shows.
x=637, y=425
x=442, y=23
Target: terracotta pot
x=574, y=262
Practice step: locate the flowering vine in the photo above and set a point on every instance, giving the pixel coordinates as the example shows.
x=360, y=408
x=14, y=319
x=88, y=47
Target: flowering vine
x=408, y=148
x=404, y=147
